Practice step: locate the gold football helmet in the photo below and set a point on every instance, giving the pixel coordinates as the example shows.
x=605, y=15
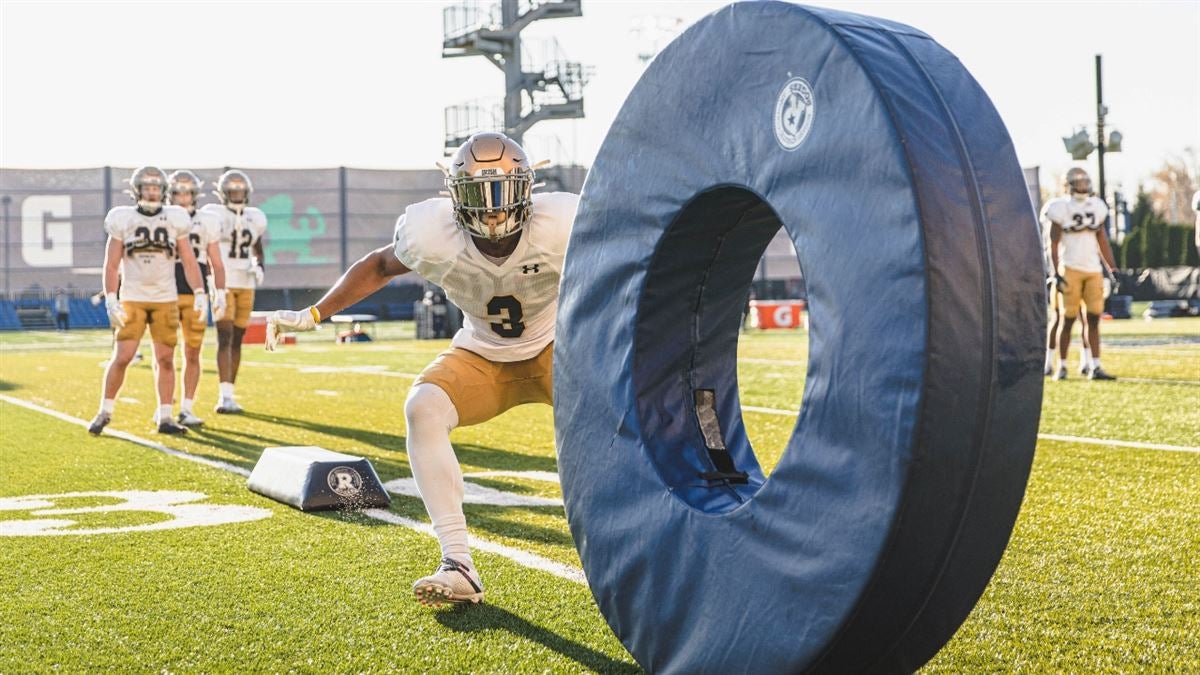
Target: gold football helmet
x=182, y=181
x=490, y=182
x=1079, y=182
x=142, y=177
x=234, y=188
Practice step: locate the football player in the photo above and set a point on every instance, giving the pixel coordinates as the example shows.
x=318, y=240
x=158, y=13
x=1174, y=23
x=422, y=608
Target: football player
x=242, y=230
x=143, y=242
x=205, y=238
x=1077, y=242
x=497, y=251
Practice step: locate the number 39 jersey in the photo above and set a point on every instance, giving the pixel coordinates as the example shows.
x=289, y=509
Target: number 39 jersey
x=239, y=233
x=1079, y=220
x=508, y=309
x=148, y=265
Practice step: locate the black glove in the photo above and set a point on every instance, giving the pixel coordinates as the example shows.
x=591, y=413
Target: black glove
x=1056, y=283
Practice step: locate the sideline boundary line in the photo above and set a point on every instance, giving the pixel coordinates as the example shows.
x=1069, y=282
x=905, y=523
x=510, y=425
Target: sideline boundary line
x=1045, y=437
x=518, y=556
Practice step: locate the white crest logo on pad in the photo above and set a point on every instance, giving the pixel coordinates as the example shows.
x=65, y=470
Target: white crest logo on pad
x=793, y=113
x=345, y=481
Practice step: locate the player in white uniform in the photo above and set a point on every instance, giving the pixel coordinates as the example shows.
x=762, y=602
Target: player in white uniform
x=1077, y=242
x=143, y=241
x=497, y=250
x=205, y=237
x=242, y=230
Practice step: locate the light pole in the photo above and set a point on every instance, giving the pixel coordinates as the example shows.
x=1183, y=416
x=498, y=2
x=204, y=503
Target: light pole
x=1079, y=145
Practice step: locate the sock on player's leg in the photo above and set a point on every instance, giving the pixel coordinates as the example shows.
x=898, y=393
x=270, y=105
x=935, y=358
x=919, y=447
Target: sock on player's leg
x=107, y=405
x=226, y=390
x=185, y=406
x=430, y=416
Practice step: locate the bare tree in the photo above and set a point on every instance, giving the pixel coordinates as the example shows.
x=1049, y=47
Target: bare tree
x=1173, y=185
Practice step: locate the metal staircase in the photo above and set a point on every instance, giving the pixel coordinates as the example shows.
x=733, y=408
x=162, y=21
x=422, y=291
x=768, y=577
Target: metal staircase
x=548, y=88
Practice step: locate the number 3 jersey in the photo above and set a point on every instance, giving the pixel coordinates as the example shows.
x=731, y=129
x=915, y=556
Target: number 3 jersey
x=1079, y=219
x=205, y=229
x=239, y=233
x=148, y=265
x=509, y=308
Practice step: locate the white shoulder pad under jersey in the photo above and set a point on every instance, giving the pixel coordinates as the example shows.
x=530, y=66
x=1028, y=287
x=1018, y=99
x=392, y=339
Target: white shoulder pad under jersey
x=427, y=237
x=118, y=224
x=180, y=221
x=553, y=216
x=1055, y=211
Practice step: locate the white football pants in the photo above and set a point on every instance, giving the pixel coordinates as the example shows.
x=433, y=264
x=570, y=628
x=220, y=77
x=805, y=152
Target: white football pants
x=430, y=416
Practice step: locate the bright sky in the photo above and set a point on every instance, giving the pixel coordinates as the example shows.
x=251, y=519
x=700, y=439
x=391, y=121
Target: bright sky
x=363, y=84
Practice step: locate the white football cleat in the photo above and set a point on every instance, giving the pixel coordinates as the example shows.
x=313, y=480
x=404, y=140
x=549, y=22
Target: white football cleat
x=453, y=582
x=228, y=406
x=187, y=419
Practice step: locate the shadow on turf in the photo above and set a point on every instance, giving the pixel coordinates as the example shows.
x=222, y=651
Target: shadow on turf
x=5, y=385
x=468, y=453
x=489, y=617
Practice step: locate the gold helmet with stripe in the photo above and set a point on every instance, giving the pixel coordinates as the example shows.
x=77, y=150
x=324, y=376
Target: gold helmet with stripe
x=234, y=188
x=1079, y=182
x=184, y=181
x=148, y=176
x=490, y=182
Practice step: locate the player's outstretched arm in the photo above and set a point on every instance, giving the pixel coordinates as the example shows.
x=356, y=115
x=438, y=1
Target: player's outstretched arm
x=369, y=274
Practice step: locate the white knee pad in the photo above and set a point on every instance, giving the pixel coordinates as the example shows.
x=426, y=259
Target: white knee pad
x=429, y=406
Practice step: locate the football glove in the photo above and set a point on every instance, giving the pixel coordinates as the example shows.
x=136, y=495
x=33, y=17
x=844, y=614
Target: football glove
x=218, y=304
x=1057, y=283
x=200, y=305
x=257, y=269
x=116, y=313
x=305, y=319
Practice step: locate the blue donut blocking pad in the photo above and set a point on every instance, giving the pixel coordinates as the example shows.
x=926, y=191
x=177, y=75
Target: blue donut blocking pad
x=897, y=491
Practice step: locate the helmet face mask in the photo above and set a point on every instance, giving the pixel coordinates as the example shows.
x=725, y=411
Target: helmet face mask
x=183, y=182
x=140, y=187
x=1079, y=183
x=490, y=184
x=234, y=188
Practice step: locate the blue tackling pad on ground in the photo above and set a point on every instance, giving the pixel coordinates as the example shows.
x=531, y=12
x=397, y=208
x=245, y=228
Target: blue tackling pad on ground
x=890, y=508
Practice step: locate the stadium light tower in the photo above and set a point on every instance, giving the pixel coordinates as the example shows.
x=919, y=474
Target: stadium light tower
x=1079, y=144
x=551, y=90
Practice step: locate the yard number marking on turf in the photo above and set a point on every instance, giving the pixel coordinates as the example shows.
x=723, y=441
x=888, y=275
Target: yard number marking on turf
x=519, y=556
x=176, y=504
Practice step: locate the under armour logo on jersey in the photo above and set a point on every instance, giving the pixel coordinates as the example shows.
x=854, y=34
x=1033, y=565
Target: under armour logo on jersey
x=530, y=269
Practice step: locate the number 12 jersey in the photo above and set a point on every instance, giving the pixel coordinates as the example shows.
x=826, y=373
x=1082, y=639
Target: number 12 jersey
x=239, y=233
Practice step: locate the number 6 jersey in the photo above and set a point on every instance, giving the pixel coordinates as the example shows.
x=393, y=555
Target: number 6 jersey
x=239, y=233
x=509, y=308
x=148, y=263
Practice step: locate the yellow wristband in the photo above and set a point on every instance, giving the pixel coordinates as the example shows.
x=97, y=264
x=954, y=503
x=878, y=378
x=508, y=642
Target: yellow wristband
x=316, y=314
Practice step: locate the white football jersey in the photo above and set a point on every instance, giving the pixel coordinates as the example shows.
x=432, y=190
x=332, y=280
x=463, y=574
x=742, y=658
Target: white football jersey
x=148, y=266
x=1079, y=248
x=508, y=309
x=206, y=229
x=239, y=233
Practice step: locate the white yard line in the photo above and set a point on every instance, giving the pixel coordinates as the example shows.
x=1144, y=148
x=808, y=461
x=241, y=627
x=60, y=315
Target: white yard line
x=1118, y=444
x=316, y=369
x=1046, y=437
x=1158, y=380
x=215, y=463
x=523, y=558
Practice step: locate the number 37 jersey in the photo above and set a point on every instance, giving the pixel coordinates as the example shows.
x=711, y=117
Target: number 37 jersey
x=509, y=308
x=149, y=241
x=239, y=233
